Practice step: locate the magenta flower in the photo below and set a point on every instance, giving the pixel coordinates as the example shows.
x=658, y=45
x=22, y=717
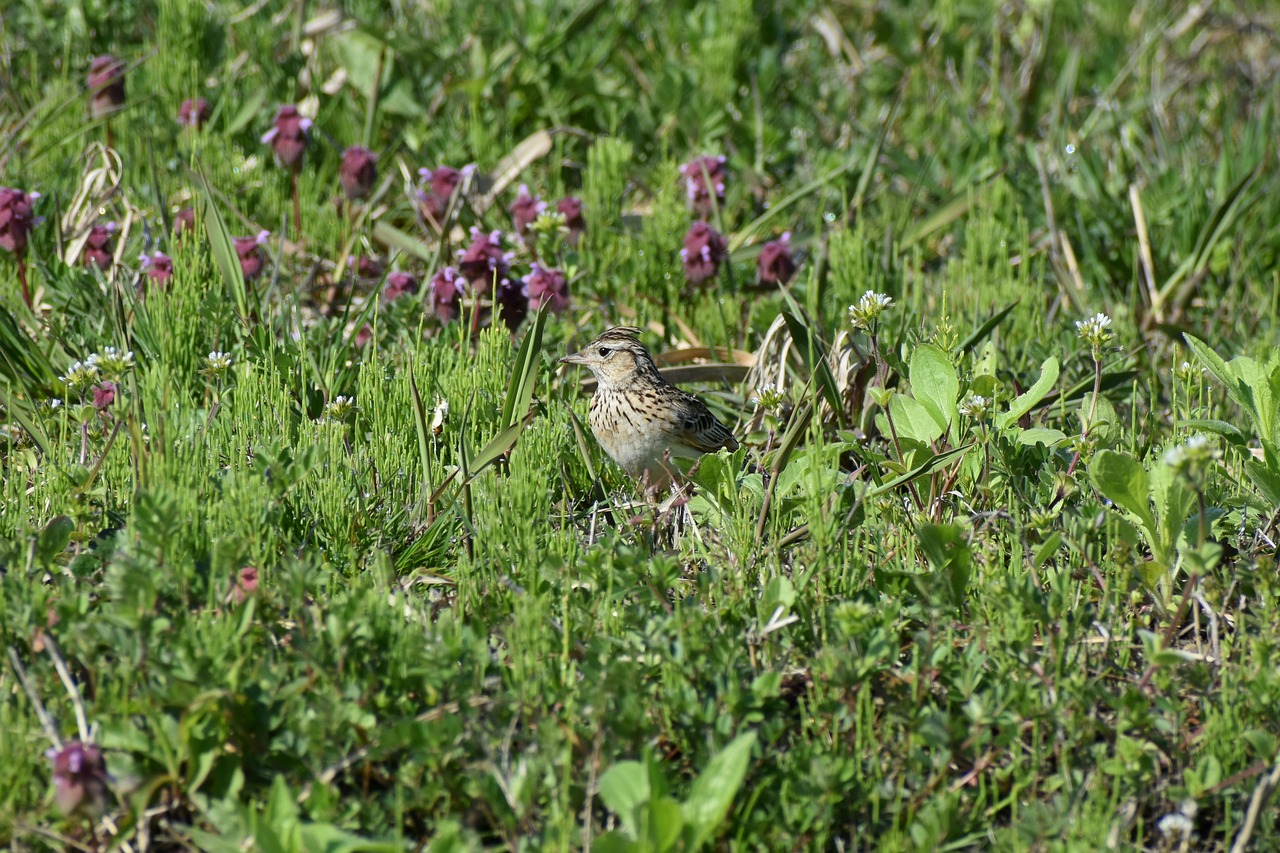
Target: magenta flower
x=106, y=86
x=547, y=287
x=97, y=249
x=289, y=137
x=358, y=172
x=194, y=112
x=702, y=177
x=184, y=221
x=483, y=261
x=104, y=394
x=16, y=219
x=159, y=267
x=447, y=288
x=249, y=250
x=571, y=208
x=525, y=209
x=364, y=336
x=368, y=267
x=79, y=778
x=398, y=284
x=775, y=264
x=442, y=182
x=512, y=299
x=243, y=585
x=704, y=250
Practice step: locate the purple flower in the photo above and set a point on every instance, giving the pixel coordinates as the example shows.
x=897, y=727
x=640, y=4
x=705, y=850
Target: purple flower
x=483, y=262
x=194, y=112
x=571, y=208
x=184, y=222
x=358, y=172
x=702, y=176
x=79, y=778
x=159, y=267
x=16, y=219
x=775, y=264
x=243, y=585
x=97, y=249
x=525, y=209
x=368, y=267
x=249, y=250
x=704, y=250
x=106, y=85
x=398, y=284
x=364, y=336
x=512, y=299
x=547, y=287
x=447, y=288
x=288, y=137
x=104, y=394
x=442, y=182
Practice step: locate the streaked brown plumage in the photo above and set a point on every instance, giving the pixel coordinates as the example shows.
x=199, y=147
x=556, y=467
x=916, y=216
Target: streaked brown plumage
x=640, y=419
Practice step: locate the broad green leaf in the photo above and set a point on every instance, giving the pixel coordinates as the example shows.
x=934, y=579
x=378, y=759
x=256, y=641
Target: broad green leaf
x=713, y=791
x=1228, y=431
x=1123, y=481
x=1047, y=437
x=624, y=789
x=666, y=821
x=935, y=384
x=1033, y=395
x=946, y=547
x=913, y=420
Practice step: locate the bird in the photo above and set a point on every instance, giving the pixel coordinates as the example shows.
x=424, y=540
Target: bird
x=640, y=419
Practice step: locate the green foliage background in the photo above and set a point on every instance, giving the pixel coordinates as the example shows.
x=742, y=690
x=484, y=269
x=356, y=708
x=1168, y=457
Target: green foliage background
x=941, y=638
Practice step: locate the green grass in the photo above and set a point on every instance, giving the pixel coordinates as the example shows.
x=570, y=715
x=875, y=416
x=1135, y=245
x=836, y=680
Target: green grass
x=895, y=619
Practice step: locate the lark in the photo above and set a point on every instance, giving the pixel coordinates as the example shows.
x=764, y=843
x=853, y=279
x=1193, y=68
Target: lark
x=640, y=419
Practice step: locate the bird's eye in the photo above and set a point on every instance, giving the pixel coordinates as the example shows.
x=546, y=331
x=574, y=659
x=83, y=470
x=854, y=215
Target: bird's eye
x=604, y=352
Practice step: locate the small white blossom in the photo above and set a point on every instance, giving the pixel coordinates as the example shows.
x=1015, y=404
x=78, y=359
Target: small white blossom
x=1096, y=332
x=866, y=311
x=768, y=397
x=339, y=408
x=218, y=362
x=1192, y=456
x=1176, y=826
x=975, y=406
x=112, y=362
x=81, y=374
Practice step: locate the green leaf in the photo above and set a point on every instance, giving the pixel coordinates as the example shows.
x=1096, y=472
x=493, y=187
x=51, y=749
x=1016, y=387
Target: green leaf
x=223, y=250
x=666, y=821
x=928, y=466
x=1228, y=431
x=624, y=789
x=813, y=354
x=525, y=378
x=913, y=420
x=1047, y=437
x=1123, y=481
x=713, y=791
x=946, y=547
x=935, y=384
x=615, y=842
x=1028, y=399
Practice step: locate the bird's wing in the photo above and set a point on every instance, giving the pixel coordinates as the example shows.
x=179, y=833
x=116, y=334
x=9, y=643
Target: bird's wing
x=701, y=430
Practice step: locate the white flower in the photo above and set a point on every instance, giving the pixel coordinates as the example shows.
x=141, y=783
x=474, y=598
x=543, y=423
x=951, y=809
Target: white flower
x=339, y=408
x=1176, y=824
x=1096, y=332
x=768, y=397
x=1192, y=456
x=218, y=362
x=975, y=406
x=81, y=374
x=864, y=313
x=112, y=362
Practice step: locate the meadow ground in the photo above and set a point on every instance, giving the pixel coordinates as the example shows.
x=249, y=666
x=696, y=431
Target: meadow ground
x=305, y=543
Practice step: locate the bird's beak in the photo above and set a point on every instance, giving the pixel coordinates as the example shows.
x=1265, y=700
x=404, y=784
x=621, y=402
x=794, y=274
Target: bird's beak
x=573, y=358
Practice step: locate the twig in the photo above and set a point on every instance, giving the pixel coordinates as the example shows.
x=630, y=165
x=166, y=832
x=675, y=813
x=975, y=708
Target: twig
x=46, y=722
x=1261, y=792
x=82, y=721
